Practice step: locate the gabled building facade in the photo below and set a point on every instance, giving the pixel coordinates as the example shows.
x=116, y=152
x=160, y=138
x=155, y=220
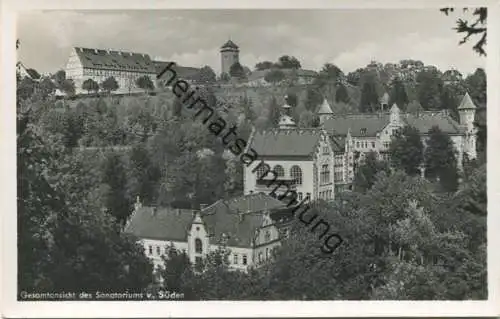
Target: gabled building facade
x=98, y=65
x=242, y=225
x=301, y=159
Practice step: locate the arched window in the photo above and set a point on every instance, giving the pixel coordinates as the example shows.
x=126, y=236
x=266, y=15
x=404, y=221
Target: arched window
x=278, y=169
x=325, y=174
x=296, y=174
x=198, y=246
x=267, y=236
x=262, y=170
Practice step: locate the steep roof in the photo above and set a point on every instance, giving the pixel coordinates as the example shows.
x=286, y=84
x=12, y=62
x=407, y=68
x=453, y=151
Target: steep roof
x=466, y=103
x=183, y=72
x=286, y=142
x=229, y=44
x=360, y=124
x=325, y=108
x=249, y=203
x=370, y=124
x=426, y=120
x=115, y=60
x=238, y=218
x=164, y=224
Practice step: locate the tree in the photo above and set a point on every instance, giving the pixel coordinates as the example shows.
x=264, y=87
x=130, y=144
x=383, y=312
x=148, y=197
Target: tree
x=110, y=84
x=68, y=87
x=46, y=87
x=144, y=82
x=175, y=270
x=274, y=113
x=341, y=95
x=59, y=77
x=476, y=28
x=429, y=88
x=143, y=175
x=236, y=70
x=264, y=65
x=354, y=77
x=33, y=73
x=206, y=75
x=406, y=150
x=414, y=107
x=398, y=94
x=476, y=86
x=233, y=185
x=313, y=99
x=440, y=160
x=366, y=173
x=117, y=202
x=288, y=62
x=274, y=76
x=90, y=85
x=292, y=99
x=369, y=101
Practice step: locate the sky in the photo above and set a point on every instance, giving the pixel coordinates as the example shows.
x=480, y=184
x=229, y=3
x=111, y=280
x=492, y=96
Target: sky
x=348, y=38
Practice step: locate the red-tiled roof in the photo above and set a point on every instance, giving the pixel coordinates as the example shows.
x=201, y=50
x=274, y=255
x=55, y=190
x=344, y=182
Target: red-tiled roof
x=115, y=60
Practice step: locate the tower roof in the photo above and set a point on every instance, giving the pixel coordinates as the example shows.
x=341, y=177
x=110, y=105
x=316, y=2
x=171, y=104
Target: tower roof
x=325, y=108
x=394, y=108
x=466, y=103
x=286, y=122
x=229, y=45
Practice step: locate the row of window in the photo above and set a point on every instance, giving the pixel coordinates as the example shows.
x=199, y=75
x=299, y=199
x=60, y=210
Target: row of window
x=198, y=248
x=110, y=73
x=328, y=194
x=324, y=174
x=295, y=172
x=338, y=176
x=244, y=260
x=365, y=144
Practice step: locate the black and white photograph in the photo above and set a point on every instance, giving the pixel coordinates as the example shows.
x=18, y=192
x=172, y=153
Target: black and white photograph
x=252, y=154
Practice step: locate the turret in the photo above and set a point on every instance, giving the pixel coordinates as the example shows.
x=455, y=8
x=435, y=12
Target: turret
x=324, y=112
x=395, y=115
x=286, y=120
x=467, y=112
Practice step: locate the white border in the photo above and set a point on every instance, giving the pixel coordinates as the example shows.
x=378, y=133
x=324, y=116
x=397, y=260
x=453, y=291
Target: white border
x=12, y=308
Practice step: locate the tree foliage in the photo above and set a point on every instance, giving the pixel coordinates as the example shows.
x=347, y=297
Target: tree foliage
x=236, y=70
x=366, y=173
x=110, y=84
x=407, y=151
x=440, y=160
x=144, y=82
x=90, y=85
x=274, y=76
x=476, y=27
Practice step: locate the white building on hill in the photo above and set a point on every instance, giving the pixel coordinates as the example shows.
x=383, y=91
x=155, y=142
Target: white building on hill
x=98, y=65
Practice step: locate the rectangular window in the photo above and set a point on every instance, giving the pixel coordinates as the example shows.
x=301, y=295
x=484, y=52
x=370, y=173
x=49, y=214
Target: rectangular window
x=373, y=144
x=150, y=248
x=300, y=195
x=244, y=259
x=158, y=252
x=235, y=259
x=357, y=144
